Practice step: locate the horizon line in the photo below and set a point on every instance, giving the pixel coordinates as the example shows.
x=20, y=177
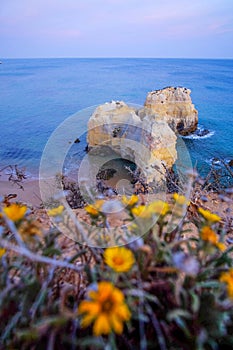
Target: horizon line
x=119, y=57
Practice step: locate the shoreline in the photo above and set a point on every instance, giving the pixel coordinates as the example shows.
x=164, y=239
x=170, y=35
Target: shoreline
x=29, y=193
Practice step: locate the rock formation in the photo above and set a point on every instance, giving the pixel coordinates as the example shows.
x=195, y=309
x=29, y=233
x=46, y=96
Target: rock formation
x=145, y=136
x=173, y=105
x=135, y=136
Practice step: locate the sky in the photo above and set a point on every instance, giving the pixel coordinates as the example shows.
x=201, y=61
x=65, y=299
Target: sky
x=116, y=28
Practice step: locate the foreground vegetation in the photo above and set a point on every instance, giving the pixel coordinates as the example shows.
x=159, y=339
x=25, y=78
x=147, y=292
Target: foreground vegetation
x=168, y=289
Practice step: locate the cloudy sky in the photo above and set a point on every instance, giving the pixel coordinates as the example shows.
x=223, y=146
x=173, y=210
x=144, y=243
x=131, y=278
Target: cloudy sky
x=116, y=28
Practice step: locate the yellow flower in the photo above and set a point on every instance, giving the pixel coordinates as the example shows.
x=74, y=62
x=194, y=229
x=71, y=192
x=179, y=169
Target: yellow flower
x=95, y=208
x=227, y=277
x=221, y=246
x=2, y=252
x=207, y=234
x=130, y=202
x=159, y=207
x=15, y=212
x=120, y=259
x=105, y=308
x=55, y=211
x=155, y=208
x=211, y=217
x=142, y=211
x=180, y=199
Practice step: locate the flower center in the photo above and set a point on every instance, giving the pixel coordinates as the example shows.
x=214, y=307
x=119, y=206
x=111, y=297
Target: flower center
x=118, y=260
x=107, y=306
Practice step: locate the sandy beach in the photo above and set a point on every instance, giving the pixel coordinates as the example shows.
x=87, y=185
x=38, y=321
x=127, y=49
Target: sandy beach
x=30, y=193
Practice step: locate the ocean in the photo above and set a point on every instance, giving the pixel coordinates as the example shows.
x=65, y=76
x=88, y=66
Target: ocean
x=36, y=95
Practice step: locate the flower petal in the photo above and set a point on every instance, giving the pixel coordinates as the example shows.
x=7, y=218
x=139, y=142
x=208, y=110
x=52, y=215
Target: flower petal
x=117, y=296
x=89, y=307
x=122, y=311
x=104, y=290
x=87, y=320
x=15, y=211
x=2, y=252
x=116, y=323
x=211, y=217
x=101, y=325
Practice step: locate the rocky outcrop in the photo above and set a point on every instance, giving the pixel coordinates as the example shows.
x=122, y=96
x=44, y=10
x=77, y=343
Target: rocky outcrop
x=173, y=105
x=136, y=136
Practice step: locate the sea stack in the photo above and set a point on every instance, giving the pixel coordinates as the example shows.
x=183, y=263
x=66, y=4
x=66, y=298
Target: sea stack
x=173, y=105
x=149, y=143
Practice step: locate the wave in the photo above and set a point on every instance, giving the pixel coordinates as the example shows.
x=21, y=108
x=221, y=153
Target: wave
x=218, y=162
x=200, y=133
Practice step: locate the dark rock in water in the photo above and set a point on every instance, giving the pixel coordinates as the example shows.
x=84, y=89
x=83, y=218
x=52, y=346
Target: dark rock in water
x=215, y=161
x=105, y=174
x=230, y=163
x=202, y=132
x=77, y=140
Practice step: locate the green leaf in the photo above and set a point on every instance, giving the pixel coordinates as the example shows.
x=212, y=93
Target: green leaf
x=55, y=321
x=152, y=298
x=12, y=324
x=195, y=302
x=208, y=284
x=91, y=341
x=141, y=317
x=224, y=259
x=51, y=251
x=91, y=273
x=177, y=313
x=182, y=325
x=27, y=335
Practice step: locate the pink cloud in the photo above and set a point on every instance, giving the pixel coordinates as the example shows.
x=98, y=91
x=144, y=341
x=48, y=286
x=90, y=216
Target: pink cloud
x=220, y=27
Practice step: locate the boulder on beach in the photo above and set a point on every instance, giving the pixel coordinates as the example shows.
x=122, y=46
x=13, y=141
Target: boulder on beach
x=173, y=105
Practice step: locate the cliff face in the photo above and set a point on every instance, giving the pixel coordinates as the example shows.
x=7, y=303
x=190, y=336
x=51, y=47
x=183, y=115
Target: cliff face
x=112, y=124
x=173, y=105
x=147, y=142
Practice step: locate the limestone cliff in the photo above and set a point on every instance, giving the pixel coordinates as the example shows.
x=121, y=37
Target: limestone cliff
x=173, y=105
x=147, y=142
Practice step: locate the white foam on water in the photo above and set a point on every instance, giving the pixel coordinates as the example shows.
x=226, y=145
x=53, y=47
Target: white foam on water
x=195, y=136
x=217, y=162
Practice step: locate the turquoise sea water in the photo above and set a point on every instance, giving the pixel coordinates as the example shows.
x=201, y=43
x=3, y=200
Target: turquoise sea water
x=36, y=95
